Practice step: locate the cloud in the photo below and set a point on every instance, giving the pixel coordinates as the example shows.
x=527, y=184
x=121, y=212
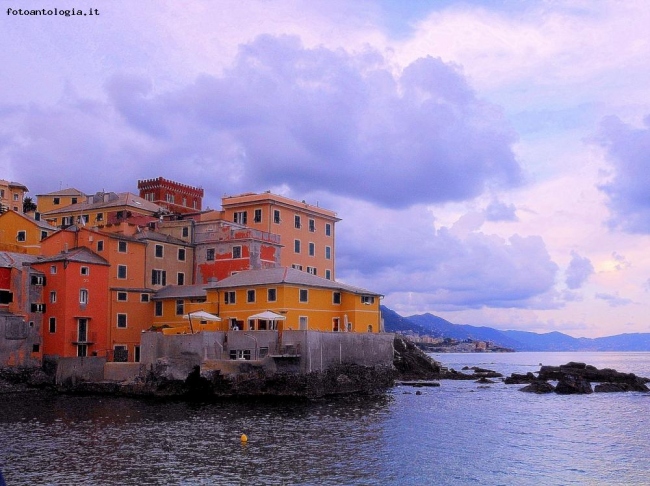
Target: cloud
x=614, y=300
x=579, y=270
x=627, y=150
x=403, y=256
x=313, y=119
x=499, y=211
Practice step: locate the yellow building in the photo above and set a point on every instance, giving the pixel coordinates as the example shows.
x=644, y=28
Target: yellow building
x=307, y=232
x=59, y=199
x=103, y=209
x=21, y=233
x=299, y=300
x=12, y=195
x=173, y=303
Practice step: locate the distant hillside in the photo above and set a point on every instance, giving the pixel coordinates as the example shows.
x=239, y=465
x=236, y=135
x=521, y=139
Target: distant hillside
x=431, y=325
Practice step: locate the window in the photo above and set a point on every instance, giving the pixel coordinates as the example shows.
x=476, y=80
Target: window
x=336, y=324
x=328, y=229
x=241, y=217
x=158, y=277
x=312, y=249
x=121, y=271
x=257, y=216
x=184, y=201
x=120, y=353
x=53, y=269
x=122, y=296
x=230, y=297
x=241, y=354
x=304, y=295
x=186, y=232
x=336, y=297
x=38, y=307
x=52, y=326
x=37, y=280
x=303, y=323
x=312, y=225
x=121, y=246
x=180, y=307
x=56, y=201
x=296, y=266
x=100, y=245
x=43, y=235
x=121, y=321
x=159, y=251
x=15, y=196
x=250, y=296
x=73, y=200
x=53, y=297
x=158, y=308
x=296, y=246
x=276, y=216
x=328, y=274
x=83, y=296
x=169, y=198
x=181, y=254
x=296, y=221
x=311, y=270
x=328, y=252
x=144, y=297
x=136, y=354
x=271, y=295
x=21, y=236
x=99, y=217
x=6, y=297
x=209, y=255
x=236, y=251
x=367, y=299
x=84, y=270
x=180, y=278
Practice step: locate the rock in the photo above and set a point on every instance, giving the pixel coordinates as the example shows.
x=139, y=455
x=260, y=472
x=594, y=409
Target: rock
x=484, y=379
x=412, y=363
x=620, y=387
x=571, y=384
x=418, y=384
x=538, y=387
x=518, y=379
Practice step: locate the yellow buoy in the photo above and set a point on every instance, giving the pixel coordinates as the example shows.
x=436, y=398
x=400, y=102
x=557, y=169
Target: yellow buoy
x=244, y=438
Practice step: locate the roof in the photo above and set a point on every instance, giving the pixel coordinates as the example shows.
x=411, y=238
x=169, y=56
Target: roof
x=284, y=275
x=40, y=223
x=70, y=191
x=147, y=234
x=10, y=259
x=18, y=185
x=78, y=255
x=268, y=197
x=123, y=199
x=180, y=292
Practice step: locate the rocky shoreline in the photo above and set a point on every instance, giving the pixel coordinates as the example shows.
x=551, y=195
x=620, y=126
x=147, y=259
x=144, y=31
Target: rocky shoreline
x=411, y=367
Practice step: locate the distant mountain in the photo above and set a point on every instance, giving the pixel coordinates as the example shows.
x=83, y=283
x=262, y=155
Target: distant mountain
x=431, y=325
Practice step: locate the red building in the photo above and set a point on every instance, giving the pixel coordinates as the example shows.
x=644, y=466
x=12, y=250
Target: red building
x=176, y=197
x=76, y=303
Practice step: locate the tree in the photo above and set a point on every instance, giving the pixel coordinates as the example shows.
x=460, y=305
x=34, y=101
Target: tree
x=28, y=205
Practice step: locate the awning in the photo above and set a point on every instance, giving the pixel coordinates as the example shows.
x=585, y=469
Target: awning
x=268, y=316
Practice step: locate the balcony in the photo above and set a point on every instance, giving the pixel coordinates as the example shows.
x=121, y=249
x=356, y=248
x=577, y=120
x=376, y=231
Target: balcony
x=87, y=338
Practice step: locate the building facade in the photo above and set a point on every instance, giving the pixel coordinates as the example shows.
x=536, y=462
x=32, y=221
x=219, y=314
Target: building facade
x=171, y=195
x=12, y=195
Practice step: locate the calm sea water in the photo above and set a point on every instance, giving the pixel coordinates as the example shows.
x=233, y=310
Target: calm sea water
x=459, y=433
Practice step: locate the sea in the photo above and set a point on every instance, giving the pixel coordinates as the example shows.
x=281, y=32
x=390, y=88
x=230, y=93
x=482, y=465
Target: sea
x=459, y=433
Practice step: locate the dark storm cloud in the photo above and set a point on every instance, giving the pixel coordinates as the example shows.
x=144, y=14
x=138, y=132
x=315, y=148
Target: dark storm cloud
x=579, y=270
x=313, y=119
x=628, y=151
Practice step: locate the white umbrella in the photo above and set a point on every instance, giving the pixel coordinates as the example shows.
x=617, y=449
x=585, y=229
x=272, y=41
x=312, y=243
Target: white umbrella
x=268, y=316
x=202, y=316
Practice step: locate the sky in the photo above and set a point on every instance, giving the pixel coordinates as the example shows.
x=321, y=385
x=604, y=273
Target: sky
x=490, y=160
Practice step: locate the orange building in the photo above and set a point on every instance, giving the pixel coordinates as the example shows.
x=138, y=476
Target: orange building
x=12, y=195
x=76, y=304
x=129, y=307
x=307, y=231
x=174, y=302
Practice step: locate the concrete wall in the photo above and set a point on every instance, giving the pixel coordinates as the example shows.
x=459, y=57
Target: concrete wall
x=89, y=369
x=17, y=341
x=121, y=371
x=314, y=351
